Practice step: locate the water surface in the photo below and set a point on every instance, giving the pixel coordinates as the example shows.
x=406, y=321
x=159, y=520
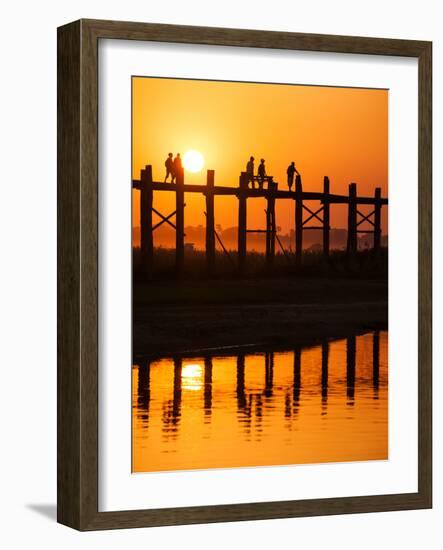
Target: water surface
x=322, y=403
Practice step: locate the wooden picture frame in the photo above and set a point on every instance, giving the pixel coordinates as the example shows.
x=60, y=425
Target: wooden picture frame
x=78, y=274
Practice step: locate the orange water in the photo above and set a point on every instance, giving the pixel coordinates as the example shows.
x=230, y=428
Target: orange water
x=325, y=403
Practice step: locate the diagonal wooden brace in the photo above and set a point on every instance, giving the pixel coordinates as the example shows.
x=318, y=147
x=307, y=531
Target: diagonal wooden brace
x=313, y=214
x=366, y=218
x=164, y=219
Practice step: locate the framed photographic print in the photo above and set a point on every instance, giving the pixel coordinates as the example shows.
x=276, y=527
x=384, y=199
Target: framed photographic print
x=244, y=274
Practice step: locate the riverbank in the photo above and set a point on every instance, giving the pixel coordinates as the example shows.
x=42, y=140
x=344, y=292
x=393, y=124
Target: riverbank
x=195, y=315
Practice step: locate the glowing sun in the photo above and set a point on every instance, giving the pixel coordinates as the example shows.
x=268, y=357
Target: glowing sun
x=193, y=161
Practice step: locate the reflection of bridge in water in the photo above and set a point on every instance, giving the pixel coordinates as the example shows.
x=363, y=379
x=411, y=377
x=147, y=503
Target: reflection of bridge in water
x=251, y=404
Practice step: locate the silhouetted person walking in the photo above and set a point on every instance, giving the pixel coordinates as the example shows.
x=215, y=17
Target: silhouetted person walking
x=250, y=172
x=291, y=171
x=177, y=167
x=169, y=164
x=261, y=173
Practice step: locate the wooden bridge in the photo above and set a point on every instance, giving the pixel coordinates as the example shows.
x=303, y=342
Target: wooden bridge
x=147, y=186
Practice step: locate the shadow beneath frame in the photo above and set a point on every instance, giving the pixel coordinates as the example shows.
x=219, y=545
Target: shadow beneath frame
x=48, y=511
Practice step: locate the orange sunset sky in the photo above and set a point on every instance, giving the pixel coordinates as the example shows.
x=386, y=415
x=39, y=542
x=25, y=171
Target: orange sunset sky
x=338, y=132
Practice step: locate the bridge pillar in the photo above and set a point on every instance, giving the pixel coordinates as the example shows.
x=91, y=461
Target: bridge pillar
x=242, y=221
x=210, y=229
x=180, y=224
x=146, y=237
x=298, y=221
x=270, y=225
x=326, y=217
x=352, y=219
x=377, y=219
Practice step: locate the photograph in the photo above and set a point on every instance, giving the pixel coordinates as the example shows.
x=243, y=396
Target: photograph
x=259, y=274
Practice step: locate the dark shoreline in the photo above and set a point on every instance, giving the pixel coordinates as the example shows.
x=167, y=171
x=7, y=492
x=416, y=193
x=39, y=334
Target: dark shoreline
x=247, y=349
x=307, y=313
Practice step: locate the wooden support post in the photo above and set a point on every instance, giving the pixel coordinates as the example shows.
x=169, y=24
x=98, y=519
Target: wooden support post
x=177, y=393
x=273, y=223
x=326, y=217
x=242, y=221
x=208, y=386
x=240, y=391
x=270, y=226
x=146, y=238
x=324, y=372
x=377, y=219
x=210, y=223
x=269, y=373
x=350, y=368
x=298, y=221
x=352, y=219
x=267, y=234
x=376, y=359
x=144, y=386
x=180, y=224
x=297, y=377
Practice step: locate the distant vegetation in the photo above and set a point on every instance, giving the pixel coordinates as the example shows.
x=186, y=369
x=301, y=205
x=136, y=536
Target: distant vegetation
x=195, y=236
x=364, y=265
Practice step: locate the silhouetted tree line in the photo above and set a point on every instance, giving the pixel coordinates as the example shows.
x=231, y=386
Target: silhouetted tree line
x=195, y=236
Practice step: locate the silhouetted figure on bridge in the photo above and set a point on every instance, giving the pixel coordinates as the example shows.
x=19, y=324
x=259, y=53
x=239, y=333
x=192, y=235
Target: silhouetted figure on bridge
x=261, y=173
x=291, y=171
x=169, y=165
x=250, y=171
x=177, y=168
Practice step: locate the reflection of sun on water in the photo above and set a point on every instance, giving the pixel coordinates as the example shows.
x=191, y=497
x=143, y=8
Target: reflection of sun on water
x=316, y=404
x=192, y=377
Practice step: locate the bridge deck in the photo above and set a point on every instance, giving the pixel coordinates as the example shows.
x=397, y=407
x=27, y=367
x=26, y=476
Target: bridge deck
x=254, y=193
